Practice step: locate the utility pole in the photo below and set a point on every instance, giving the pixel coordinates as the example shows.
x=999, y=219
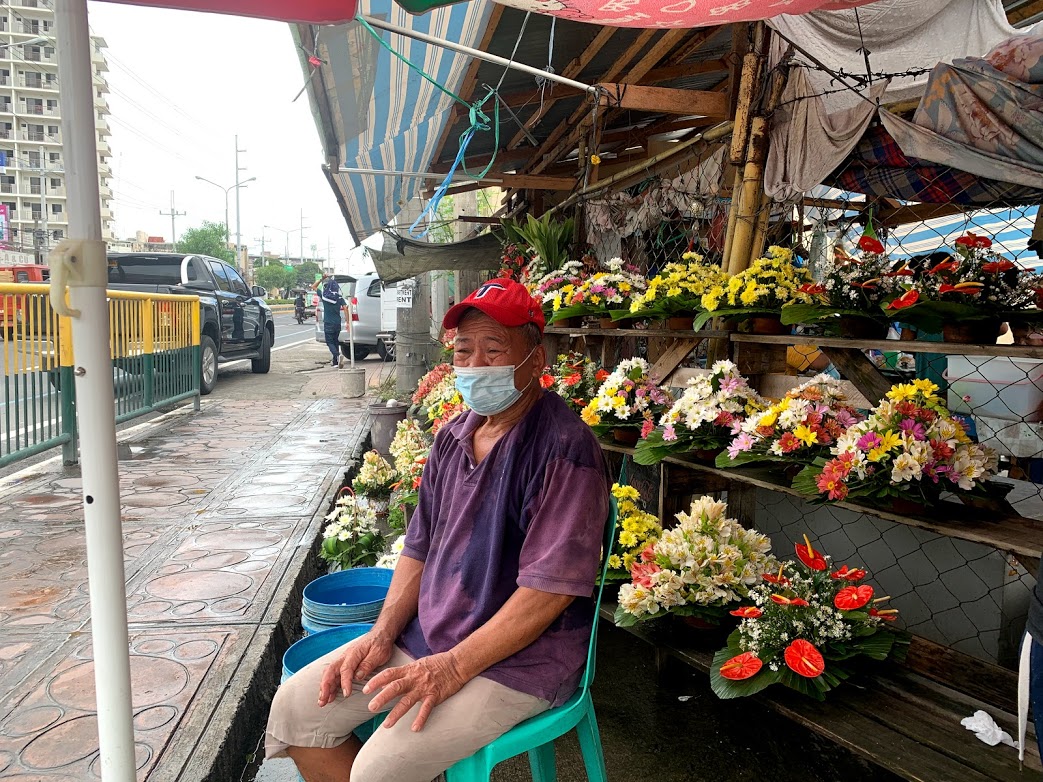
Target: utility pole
x=329, y=255
x=238, y=235
x=174, y=214
x=43, y=201
x=302, y=236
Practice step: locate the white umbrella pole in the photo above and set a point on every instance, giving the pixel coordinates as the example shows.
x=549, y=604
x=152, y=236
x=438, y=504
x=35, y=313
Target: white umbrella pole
x=80, y=263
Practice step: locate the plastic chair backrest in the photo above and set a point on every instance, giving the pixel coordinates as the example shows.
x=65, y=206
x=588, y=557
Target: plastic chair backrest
x=610, y=538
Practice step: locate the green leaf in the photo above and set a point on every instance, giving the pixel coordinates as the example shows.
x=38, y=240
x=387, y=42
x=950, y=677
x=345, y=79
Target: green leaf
x=806, y=313
x=653, y=449
x=806, y=481
x=623, y=618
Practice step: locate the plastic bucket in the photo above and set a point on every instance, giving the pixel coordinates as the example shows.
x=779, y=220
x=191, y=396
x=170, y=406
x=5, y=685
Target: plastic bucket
x=355, y=595
x=312, y=647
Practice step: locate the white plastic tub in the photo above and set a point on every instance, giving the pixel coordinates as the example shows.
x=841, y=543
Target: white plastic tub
x=996, y=386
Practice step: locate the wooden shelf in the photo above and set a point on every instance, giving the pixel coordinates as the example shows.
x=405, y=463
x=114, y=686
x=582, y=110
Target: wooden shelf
x=658, y=333
x=1015, y=534
x=946, y=348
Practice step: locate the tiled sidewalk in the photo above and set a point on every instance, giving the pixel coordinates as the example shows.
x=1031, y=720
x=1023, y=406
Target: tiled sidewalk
x=220, y=509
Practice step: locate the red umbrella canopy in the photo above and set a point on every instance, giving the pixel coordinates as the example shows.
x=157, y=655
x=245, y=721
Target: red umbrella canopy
x=297, y=11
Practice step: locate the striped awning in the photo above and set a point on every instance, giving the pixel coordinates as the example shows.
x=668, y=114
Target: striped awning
x=376, y=113
x=1009, y=230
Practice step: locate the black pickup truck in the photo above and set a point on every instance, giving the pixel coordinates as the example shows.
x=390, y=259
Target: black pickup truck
x=236, y=322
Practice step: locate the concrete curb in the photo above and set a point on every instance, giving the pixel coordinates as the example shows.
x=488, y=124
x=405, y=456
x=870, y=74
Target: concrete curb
x=231, y=744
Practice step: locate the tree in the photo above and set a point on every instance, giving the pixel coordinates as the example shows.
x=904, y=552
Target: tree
x=306, y=273
x=207, y=239
x=275, y=276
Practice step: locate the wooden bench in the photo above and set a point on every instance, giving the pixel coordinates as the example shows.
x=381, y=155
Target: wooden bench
x=902, y=719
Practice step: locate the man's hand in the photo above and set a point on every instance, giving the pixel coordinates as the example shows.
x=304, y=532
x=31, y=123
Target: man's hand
x=429, y=681
x=357, y=662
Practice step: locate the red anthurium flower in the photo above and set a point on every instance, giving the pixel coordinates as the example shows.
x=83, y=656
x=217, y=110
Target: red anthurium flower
x=546, y=381
x=742, y=666
x=887, y=614
x=851, y=598
x=848, y=574
x=804, y=659
x=776, y=578
x=782, y=600
x=998, y=267
x=601, y=375
x=809, y=557
x=973, y=240
x=869, y=244
x=812, y=288
x=907, y=299
x=747, y=612
x=944, y=266
x=901, y=271
x=867, y=285
x=966, y=288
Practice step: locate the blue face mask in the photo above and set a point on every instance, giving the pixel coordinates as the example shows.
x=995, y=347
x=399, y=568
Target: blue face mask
x=489, y=390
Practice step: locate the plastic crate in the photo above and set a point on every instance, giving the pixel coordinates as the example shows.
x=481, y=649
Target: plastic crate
x=996, y=386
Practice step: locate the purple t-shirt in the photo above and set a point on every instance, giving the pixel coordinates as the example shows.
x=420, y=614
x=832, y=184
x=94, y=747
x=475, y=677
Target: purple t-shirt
x=531, y=514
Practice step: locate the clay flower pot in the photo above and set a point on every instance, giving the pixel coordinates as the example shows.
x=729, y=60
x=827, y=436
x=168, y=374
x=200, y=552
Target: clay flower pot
x=679, y=323
x=861, y=328
x=972, y=332
x=626, y=435
x=768, y=324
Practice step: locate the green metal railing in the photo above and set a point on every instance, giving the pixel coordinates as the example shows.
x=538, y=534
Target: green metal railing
x=155, y=355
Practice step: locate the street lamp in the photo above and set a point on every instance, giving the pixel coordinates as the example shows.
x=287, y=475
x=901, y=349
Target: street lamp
x=286, y=233
x=226, y=191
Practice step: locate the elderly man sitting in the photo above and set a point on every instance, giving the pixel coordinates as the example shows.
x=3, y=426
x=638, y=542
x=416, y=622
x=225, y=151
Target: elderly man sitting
x=489, y=612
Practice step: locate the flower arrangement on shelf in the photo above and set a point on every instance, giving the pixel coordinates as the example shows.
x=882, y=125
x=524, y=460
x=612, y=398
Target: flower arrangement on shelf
x=805, y=628
x=678, y=289
x=552, y=287
x=437, y=398
x=514, y=262
x=628, y=400
x=975, y=284
x=637, y=530
x=602, y=292
x=852, y=293
x=909, y=447
x=376, y=477
x=702, y=568
x=705, y=418
x=762, y=290
x=800, y=427
x=575, y=378
x=351, y=538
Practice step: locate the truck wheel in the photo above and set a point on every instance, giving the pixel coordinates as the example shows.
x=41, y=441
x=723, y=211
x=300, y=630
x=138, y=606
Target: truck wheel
x=361, y=351
x=261, y=364
x=208, y=359
x=386, y=349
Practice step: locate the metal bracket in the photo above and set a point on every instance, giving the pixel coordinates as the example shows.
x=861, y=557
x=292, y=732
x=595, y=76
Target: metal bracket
x=76, y=263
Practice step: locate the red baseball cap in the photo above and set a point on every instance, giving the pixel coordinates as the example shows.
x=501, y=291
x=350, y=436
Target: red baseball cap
x=507, y=302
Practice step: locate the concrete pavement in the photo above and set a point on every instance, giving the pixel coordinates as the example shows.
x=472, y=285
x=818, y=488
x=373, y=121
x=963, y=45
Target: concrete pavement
x=221, y=510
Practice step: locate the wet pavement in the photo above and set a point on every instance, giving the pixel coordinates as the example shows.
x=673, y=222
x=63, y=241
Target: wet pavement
x=221, y=510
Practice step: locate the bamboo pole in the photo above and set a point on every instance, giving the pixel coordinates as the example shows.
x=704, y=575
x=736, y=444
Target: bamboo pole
x=776, y=85
x=750, y=195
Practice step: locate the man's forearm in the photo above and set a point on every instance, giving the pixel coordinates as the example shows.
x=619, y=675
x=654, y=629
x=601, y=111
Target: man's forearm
x=522, y=619
x=400, y=605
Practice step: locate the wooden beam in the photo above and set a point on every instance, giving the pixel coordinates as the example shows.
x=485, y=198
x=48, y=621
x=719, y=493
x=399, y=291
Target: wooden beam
x=854, y=365
x=698, y=40
x=473, y=161
x=682, y=70
x=517, y=181
x=664, y=100
x=571, y=71
x=471, y=76
x=478, y=219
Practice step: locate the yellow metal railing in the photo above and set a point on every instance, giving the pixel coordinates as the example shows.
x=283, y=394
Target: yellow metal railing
x=154, y=341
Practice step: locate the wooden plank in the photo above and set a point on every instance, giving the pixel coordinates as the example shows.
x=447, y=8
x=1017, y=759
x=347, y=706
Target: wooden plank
x=754, y=360
x=913, y=346
x=742, y=504
x=854, y=366
x=638, y=333
x=1015, y=534
x=682, y=70
x=984, y=681
x=672, y=357
x=664, y=100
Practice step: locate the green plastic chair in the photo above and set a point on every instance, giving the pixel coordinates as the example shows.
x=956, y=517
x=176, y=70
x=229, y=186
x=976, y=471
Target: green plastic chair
x=536, y=735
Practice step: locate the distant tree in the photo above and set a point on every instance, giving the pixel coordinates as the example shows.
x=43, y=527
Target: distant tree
x=207, y=239
x=306, y=273
x=275, y=276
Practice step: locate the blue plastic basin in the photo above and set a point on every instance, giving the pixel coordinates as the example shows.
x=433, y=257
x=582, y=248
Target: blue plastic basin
x=312, y=647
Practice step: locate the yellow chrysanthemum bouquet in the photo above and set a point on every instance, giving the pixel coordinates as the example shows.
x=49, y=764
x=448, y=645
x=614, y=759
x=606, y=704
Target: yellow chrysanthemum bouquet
x=637, y=530
x=762, y=290
x=678, y=289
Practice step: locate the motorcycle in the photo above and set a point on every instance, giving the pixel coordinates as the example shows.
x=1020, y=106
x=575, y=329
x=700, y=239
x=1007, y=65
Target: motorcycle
x=298, y=313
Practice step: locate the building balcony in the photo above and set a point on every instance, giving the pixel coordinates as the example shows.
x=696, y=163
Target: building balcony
x=41, y=6
x=38, y=111
x=6, y=108
x=37, y=84
x=40, y=138
x=7, y=187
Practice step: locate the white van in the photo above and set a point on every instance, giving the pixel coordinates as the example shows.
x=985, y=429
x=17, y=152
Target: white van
x=375, y=328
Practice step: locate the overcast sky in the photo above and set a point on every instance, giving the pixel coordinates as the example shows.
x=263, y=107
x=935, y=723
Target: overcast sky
x=182, y=85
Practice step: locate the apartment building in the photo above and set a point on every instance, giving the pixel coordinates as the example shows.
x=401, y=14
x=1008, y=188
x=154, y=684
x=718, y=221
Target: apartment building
x=32, y=160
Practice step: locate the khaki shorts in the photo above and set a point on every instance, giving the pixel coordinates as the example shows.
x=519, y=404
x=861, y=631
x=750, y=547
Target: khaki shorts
x=480, y=712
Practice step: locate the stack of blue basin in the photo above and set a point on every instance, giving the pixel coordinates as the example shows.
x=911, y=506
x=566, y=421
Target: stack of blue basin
x=347, y=597
x=312, y=647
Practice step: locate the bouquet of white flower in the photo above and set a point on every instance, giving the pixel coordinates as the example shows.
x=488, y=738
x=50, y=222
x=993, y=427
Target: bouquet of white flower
x=376, y=477
x=351, y=539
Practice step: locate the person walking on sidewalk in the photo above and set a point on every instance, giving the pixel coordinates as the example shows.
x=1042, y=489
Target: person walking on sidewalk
x=490, y=608
x=332, y=304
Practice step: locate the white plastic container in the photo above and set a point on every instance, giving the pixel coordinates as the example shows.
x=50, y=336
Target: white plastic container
x=996, y=386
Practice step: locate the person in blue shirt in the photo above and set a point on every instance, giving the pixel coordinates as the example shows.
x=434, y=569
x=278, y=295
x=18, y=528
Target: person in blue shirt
x=332, y=304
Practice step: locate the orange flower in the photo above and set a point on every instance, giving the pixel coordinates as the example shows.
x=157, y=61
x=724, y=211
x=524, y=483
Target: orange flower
x=804, y=659
x=907, y=299
x=747, y=612
x=782, y=600
x=742, y=666
x=809, y=557
x=546, y=381
x=851, y=598
x=601, y=375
